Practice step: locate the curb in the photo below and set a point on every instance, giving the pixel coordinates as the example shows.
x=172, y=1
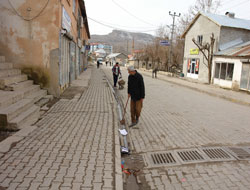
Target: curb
x=203, y=91
x=6, y=144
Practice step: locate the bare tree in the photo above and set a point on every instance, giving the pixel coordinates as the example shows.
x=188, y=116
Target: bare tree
x=207, y=51
x=208, y=6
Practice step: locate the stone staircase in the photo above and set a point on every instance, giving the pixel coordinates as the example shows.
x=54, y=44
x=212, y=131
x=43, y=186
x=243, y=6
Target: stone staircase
x=17, y=97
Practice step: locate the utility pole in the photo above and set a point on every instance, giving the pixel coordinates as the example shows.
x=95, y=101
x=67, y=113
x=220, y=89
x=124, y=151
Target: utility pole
x=172, y=34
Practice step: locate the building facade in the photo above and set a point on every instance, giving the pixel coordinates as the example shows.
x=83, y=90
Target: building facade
x=50, y=34
x=227, y=30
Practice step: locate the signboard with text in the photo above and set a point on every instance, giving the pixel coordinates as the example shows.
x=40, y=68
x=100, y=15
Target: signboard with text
x=164, y=43
x=194, y=51
x=66, y=21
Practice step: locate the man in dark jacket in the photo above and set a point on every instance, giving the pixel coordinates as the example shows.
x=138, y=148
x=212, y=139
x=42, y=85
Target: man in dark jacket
x=116, y=72
x=136, y=91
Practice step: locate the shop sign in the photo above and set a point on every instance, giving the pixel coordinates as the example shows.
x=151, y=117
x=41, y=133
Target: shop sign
x=194, y=51
x=66, y=21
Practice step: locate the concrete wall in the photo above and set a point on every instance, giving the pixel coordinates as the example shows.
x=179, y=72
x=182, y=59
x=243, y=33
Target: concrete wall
x=235, y=83
x=203, y=26
x=229, y=34
x=27, y=38
x=30, y=32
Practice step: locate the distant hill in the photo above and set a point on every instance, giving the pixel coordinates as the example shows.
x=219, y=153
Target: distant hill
x=121, y=40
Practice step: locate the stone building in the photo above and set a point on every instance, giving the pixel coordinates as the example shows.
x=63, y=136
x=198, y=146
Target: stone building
x=50, y=34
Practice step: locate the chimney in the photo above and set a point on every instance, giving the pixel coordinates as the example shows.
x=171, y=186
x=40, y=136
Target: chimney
x=230, y=14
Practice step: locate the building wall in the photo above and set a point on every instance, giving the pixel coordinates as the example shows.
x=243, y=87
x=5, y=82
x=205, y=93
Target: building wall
x=31, y=32
x=228, y=34
x=202, y=26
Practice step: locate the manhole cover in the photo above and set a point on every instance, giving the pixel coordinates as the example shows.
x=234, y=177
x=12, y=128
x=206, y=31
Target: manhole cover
x=239, y=152
x=158, y=159
x=217, y=154
x=190, y=156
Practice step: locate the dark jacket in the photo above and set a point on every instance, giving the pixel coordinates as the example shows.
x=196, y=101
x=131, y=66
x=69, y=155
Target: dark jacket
x=136, y=86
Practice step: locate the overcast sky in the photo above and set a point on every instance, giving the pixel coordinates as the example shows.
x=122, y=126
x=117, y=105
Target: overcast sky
x=146, y=15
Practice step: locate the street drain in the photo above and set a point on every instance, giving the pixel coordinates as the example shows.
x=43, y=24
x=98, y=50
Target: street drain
x=239, y=153
x=190, y=156
x=217, y=154
x=161, y=159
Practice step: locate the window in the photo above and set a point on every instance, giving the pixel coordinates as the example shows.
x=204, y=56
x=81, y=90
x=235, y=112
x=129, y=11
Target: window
x=224, y=71
x=193, y=66
x=199, y=39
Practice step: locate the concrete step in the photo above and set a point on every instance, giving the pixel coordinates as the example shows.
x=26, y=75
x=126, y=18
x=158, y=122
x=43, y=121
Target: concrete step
x=26, y=118
x=4, y=65
x=5, y=81
x=9, y=97
x=12, y=111
x=29, y=90
x=2, y=59
x=36, y=96
x=20, y=86
x=9, y=72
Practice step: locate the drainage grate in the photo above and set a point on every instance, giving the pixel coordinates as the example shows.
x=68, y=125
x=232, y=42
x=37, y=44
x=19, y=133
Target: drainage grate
x=239, y=153
x=217, y=154
x=190, y=156
x=161, y=159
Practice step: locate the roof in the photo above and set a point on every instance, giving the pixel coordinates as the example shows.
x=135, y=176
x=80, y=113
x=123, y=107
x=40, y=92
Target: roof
x=241, y=50
x=112, y=55
x=221, y=20
x=100, y=51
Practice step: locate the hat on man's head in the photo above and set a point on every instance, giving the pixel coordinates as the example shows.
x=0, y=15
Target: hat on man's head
x=131, y=68
x=117, y=63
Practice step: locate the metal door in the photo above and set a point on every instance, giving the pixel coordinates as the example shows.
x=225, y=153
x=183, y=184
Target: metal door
x=72, y=61
x=64, y=62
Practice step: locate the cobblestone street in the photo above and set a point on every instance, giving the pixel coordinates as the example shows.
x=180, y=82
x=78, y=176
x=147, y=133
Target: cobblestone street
x=175, y=117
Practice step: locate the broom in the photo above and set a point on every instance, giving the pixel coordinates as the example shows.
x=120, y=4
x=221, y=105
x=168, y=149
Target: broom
x=122, y=122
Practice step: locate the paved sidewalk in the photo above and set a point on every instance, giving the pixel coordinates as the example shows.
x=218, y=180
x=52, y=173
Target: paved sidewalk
x=74, y=146
x=237, y=97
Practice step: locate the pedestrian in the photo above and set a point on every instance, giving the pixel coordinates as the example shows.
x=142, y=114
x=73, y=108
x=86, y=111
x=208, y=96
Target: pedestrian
x=106, y=63
x=136, y=91
x=116, y=72
x=98, y=64
x=110, y=63
x=154, y=73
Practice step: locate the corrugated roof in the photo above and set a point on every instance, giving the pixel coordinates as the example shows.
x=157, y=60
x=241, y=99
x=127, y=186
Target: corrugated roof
x=221, y=20
x=241, y=50
x=227, y=21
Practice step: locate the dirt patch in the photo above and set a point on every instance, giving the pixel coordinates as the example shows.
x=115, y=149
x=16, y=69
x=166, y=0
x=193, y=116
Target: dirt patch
x=132, y=173
x=71, y=91
x=4, y=135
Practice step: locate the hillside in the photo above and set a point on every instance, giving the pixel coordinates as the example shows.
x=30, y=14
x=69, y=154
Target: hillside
x=121, y=40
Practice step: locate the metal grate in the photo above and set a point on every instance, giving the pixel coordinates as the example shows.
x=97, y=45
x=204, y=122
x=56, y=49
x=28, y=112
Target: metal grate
x=217, y=154
x=161, y=159
x=191, y=156
x=239, y=153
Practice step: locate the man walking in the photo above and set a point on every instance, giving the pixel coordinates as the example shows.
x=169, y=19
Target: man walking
x=116, y=72
x=136, y=91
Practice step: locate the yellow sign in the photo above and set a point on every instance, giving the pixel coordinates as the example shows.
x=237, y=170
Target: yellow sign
x=194, y=51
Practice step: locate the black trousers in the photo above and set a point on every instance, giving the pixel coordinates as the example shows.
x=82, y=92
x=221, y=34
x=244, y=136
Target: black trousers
x=115, y=77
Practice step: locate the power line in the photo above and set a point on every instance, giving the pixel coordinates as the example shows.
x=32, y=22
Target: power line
x=29, y=9
x=131, y=13
x=243, y=2
x=110, y=26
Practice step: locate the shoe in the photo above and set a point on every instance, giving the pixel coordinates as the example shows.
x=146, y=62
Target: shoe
x=132, y=124
x=137, y=120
